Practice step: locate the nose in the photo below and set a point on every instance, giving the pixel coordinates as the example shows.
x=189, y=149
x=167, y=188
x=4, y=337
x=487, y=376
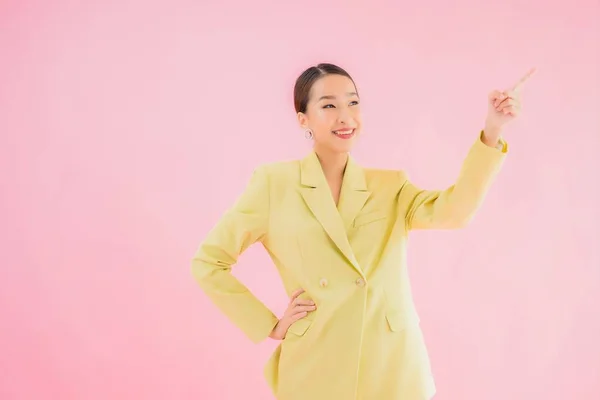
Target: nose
x=344, y=116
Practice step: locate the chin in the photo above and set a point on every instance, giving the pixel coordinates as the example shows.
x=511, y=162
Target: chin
x=343, y=147
x=336, y=145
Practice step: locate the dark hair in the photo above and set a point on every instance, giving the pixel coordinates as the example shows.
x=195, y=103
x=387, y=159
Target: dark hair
x=308, y=78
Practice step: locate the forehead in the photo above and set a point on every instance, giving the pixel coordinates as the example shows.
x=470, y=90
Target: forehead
x=334, y=85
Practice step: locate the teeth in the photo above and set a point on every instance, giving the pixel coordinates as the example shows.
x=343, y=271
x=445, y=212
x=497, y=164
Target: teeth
x=343, y=133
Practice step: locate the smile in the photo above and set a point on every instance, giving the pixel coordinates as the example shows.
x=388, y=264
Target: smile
x=344, y=133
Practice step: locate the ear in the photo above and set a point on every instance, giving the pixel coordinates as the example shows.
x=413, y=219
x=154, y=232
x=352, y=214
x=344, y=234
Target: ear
x=302, y=120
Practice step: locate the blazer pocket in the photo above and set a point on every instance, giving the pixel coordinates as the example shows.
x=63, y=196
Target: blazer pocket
x=300, y=327
x=368, y=218
x=398, y=321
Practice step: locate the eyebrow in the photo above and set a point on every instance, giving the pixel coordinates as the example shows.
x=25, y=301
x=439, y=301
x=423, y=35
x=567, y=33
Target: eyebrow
x=331, y=97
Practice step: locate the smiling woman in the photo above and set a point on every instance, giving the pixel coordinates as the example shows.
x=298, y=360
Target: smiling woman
x=328, y=107
x=337, y=233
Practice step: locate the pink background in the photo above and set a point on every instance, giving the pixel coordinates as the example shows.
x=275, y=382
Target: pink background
x=129, y=126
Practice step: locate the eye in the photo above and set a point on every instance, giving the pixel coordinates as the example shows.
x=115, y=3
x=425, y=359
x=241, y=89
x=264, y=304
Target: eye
x=352, y=103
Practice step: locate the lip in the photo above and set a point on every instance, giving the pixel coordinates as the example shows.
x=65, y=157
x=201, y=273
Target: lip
x=345, y=134
x=344, y=131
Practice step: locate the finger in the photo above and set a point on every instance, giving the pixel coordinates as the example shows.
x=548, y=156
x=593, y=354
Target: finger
x=497, y=102
x=303, y=302
x=296, y=304
x=296, y=317
x=299, y=301
x=507, y=103
x=510, y=110
x=295, y=294
x=298, y=309
x=524, y=79
x=507, y=95
x=496, y=95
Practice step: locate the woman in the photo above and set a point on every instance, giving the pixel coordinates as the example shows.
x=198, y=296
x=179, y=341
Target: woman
x=337, y=234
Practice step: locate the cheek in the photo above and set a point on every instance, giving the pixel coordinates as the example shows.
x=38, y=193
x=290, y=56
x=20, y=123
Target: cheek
x=323, y=121
x=323, y=116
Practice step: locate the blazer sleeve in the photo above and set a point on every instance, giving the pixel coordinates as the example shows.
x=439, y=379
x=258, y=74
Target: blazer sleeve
x=456, y=206
x=242, y=225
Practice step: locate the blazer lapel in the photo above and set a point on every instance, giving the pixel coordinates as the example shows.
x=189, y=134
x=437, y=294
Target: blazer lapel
x=318, y=198
x=354, y=193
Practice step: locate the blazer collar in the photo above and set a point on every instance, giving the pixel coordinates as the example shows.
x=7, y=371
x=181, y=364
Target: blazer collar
x=311, y=173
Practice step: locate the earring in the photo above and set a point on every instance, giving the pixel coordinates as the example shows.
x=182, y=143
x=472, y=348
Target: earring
x=308, y=134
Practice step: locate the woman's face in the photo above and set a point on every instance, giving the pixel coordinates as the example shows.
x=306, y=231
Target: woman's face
x=332, y=114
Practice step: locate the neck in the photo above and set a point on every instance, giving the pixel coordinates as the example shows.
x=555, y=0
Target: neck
x=333, y=164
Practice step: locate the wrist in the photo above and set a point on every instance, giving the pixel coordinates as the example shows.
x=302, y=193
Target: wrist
x=491, y=136
x=276, y=333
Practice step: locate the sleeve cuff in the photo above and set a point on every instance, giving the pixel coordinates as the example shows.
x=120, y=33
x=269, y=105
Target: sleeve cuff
x=501, y=146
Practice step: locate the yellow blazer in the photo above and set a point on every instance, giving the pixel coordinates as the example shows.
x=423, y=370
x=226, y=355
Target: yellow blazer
x=364, y=340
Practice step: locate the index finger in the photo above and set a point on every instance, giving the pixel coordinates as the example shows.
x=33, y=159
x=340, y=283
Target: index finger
x=524, y=79
x=296, y=293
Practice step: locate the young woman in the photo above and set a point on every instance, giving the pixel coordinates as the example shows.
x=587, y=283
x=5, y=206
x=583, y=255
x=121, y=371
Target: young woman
x=337, y=235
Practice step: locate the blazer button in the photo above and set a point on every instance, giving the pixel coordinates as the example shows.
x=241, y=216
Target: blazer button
x=360, y=282
x=323, y=282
